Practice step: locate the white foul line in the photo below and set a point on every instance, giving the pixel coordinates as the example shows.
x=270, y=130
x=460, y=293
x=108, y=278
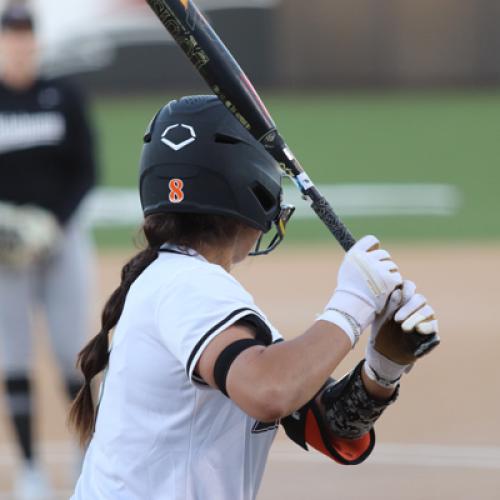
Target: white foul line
x=417, y=455
x=61, y=454
x=409, y=454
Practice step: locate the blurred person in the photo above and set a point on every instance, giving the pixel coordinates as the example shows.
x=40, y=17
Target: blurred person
x=196, y=377
x=46, y=168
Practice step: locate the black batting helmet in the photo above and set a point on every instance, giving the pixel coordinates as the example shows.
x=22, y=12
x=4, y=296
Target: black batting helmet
x=197, y=158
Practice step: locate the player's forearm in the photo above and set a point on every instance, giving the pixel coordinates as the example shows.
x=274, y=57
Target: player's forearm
x=285, y=376
x=375, y=390
x=280, y=379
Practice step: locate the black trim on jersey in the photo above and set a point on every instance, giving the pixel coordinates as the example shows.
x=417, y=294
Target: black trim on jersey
x=258, y=326
x=262, y=331
x=199, y=380
x=260, y=427
x=226, y=359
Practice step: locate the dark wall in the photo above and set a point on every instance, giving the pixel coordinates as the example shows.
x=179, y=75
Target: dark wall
x=158, y=66
x=397, y=42
x=325, y=43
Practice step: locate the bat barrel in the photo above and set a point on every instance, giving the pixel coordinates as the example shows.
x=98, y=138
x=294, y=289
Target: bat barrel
x=206, y=51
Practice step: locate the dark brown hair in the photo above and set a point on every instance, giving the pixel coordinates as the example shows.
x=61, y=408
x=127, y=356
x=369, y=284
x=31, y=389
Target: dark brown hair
x=185, y=230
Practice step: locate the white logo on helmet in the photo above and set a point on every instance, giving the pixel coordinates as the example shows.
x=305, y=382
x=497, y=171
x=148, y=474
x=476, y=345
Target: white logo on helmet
x=179, y=145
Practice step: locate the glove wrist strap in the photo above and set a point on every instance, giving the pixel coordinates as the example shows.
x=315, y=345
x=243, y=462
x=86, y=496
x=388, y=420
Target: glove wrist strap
x=344, y=321
x=382, y=382
x=382, y=370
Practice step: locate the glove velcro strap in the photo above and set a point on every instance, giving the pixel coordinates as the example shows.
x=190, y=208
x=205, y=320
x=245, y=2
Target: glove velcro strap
x=378, y=379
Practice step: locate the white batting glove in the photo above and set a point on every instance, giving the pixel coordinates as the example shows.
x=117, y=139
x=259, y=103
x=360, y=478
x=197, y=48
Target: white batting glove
x=365, y=281
x=388, y=356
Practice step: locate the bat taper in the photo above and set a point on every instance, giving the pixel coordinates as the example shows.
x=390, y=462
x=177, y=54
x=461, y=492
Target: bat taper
x=223, y=74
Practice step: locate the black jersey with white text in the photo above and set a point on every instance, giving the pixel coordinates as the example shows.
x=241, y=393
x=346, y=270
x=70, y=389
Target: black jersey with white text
x=46, y=147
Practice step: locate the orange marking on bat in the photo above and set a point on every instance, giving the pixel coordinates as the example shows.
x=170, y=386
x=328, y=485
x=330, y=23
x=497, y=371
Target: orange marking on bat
x=185, y=3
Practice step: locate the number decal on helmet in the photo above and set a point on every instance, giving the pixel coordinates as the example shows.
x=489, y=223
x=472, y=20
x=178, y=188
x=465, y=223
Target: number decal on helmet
x=176, y=190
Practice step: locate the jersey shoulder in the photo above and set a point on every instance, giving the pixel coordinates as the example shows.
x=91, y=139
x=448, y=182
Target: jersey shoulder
x=187, y=278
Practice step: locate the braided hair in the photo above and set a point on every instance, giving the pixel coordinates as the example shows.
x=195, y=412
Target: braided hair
x=185, y=230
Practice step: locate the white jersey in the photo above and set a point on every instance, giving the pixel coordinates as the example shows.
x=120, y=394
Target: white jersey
x=160, y=432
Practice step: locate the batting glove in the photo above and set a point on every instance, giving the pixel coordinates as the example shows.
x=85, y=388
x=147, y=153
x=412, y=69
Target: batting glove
x=365, y=281
x=390, y=352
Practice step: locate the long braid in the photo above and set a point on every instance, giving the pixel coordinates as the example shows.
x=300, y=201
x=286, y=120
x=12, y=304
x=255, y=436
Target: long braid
x=189, y=230
x=94, y=358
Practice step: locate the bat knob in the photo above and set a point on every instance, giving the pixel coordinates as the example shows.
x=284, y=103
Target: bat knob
x=421, y=344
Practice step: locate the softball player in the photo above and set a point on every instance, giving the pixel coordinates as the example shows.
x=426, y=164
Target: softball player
x=47, y=167
x=197, y=378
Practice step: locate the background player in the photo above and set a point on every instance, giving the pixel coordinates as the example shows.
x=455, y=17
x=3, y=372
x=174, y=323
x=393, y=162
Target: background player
x=47, y=167
x=197, y=378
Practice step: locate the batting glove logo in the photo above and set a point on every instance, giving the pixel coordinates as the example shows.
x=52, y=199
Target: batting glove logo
x=178, y=136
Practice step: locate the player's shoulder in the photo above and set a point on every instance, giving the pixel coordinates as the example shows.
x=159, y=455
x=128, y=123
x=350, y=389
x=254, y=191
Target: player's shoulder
x=193, y=274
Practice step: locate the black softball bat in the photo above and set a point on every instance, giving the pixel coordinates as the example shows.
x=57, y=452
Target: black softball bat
x=218, y=67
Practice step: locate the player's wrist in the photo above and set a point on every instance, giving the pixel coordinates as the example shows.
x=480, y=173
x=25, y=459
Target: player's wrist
x=344, y=321
x=381, y=370
x=353, y=305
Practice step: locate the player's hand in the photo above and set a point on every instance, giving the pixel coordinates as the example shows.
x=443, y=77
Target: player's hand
x=366, y=279
x=27, y=234
x=391, y=350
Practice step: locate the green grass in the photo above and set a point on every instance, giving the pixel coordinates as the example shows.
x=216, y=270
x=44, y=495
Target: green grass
x=451, y=138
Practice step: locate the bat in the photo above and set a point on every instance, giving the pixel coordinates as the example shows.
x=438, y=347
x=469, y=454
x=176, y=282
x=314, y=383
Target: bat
x=214, y=62
x=217, y=66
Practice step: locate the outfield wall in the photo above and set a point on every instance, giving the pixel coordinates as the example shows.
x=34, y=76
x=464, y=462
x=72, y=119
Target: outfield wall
x=289, y=43
x=398, y=42
x=118, y=45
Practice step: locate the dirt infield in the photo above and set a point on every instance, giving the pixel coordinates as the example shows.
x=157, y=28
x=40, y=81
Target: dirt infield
x=441, y=440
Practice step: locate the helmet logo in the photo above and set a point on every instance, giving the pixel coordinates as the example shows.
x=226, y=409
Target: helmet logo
x=188, y=132
x=176, y=187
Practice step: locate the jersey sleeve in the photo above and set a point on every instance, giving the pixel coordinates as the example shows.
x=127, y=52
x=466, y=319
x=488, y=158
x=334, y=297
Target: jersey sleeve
x=200, y=305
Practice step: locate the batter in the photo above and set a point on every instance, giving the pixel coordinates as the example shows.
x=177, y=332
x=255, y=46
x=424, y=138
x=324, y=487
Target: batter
x=197, y=380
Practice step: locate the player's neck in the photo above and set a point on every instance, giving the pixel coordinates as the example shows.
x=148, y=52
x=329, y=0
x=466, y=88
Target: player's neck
x=221, y=256
x=234, y=252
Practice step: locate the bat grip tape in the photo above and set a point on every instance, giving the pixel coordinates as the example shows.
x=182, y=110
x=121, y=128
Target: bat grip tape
x=332, y=221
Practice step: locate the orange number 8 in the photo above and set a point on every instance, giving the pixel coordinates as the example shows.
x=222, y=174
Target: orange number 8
x=176, y=191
